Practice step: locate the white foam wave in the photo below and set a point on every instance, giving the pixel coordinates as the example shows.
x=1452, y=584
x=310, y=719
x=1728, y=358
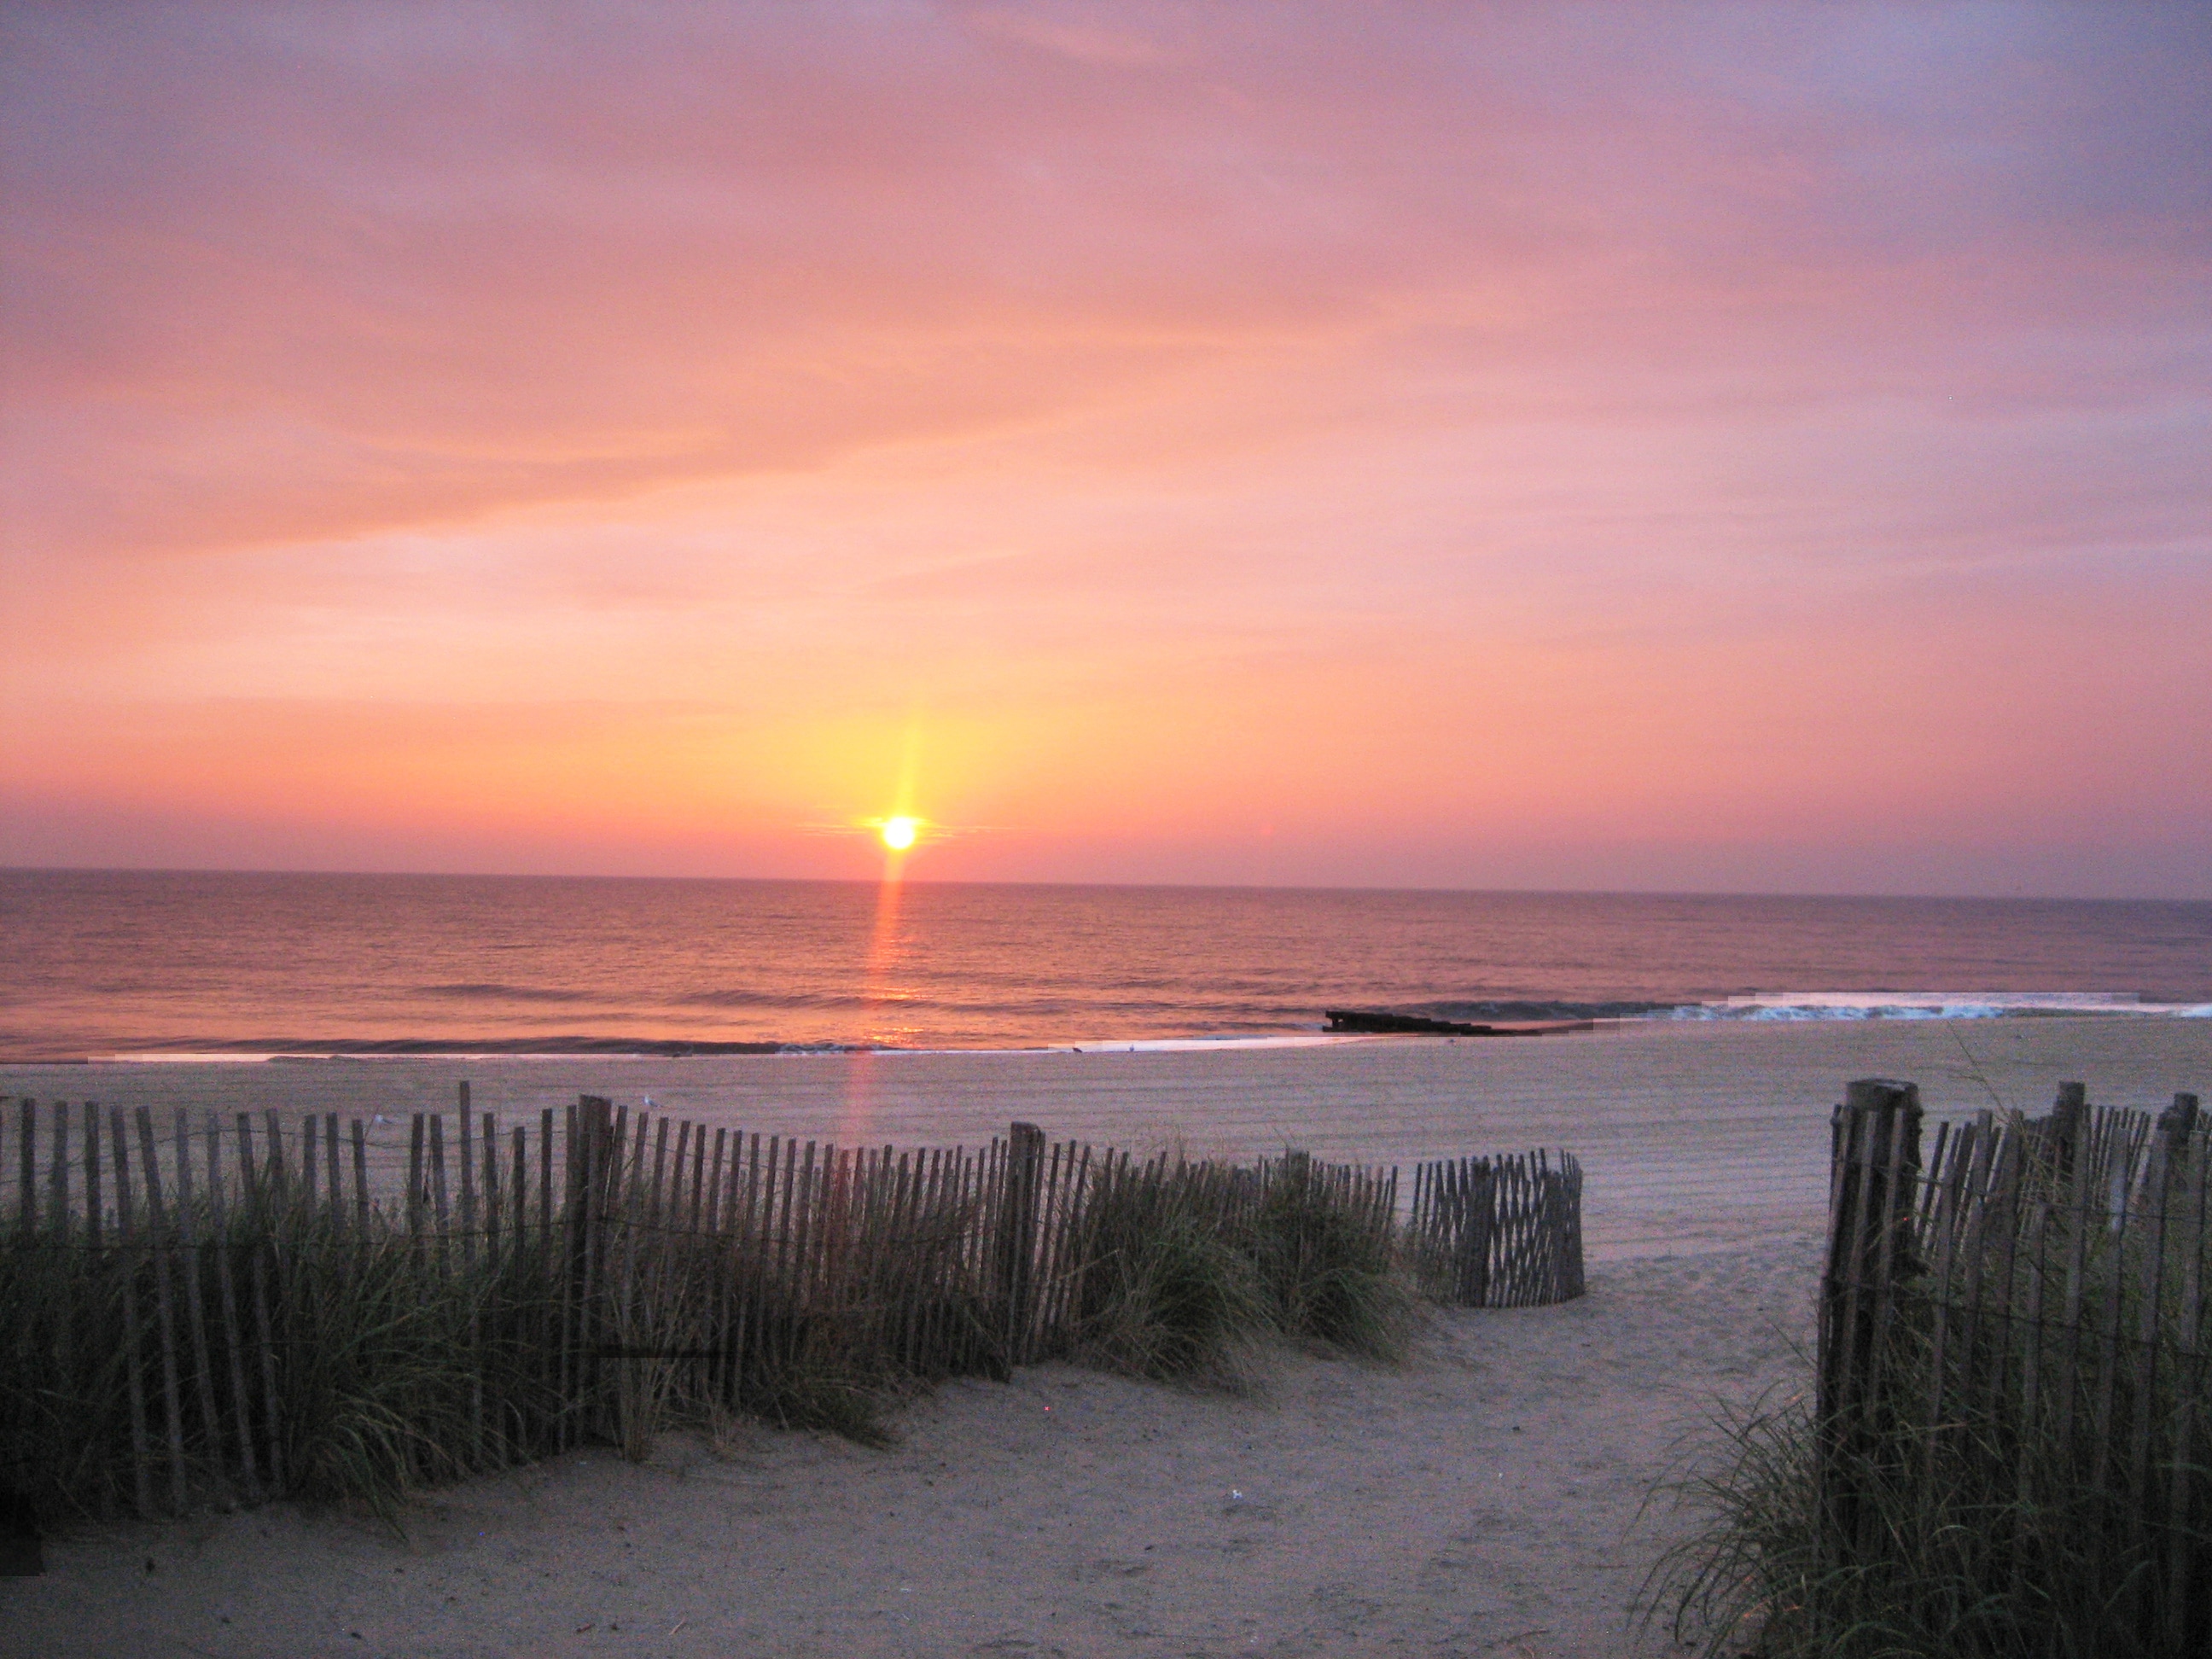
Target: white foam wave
x=1189, y=1045
x=1932, y=1004
x=1163, y=1045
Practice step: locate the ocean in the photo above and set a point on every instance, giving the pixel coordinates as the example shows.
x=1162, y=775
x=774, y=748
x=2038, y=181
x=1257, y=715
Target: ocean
x=142, y=964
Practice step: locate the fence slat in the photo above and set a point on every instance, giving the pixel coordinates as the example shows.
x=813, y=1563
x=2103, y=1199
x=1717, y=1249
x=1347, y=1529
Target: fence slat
x=464, y=1131
x=527, y=1322
x=2181, y=1518
x=487, y=1177
x=2030, y=1375
x=57, y=1194
x=95, y=1203
x=261, y=1214
x=416, y=1133
x=442, y=1234
x=227, y=1291
x=160, y=1254
x=656, y=1210
x=27, y=1193
x=2149, y=1219
x=359, y=1135
x=2115, y=1276
x=142, y=1470
x=64, y=1316
x=188, y=1232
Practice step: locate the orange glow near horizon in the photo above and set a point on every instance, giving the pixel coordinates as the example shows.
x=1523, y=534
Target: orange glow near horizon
x=1474, y=448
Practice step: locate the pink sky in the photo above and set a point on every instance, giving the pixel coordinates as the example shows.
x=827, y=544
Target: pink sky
x=1732, y=449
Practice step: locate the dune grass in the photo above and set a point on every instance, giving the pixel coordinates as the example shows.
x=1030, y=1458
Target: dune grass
x=1189, y=1268
x=1329, y=1266
x=1977, y=1518
x=398, y=1358
x=1165, y=1290
x=400, y=1363
x=1959, y=1564
x=397, y=1363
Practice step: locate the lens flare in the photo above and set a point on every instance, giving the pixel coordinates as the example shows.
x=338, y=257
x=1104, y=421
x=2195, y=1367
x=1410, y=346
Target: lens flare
x=899, y=834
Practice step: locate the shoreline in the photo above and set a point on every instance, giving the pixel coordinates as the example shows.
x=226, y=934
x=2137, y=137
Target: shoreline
x=1802, y=1010
x=311, y=1054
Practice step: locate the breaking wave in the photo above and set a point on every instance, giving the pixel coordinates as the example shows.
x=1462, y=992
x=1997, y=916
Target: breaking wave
x=1827, y=1004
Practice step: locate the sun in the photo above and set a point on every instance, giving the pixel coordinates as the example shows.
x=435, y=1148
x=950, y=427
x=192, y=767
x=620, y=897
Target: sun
x=899, y=833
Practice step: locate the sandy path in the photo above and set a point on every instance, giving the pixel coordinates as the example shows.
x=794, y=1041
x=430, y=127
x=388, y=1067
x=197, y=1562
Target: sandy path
x=1474, y=1502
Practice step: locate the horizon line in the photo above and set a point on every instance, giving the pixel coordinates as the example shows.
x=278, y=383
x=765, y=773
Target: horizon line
x=1141, y=886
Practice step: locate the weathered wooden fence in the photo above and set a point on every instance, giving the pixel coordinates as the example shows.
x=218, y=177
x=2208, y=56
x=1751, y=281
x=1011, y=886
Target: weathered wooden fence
x=2017, y=1321
x=186, y=1294
x=1497, y=1232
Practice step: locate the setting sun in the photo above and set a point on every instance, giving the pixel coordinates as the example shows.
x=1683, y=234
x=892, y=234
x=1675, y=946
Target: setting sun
x=898, y=834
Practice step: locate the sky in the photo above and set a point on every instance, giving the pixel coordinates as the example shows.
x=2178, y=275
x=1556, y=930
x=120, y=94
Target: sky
x=1616, y=446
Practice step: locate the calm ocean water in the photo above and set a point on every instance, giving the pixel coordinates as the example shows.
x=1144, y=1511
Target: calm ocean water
x=136, y=962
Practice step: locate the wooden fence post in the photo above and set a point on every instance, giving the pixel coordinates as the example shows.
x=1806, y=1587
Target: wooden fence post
x=2175, y=1125
x=1570, y=1179
x=1876, y=1152
x=1016, y=1238
x=2069, y=1113
x=1475, y=1188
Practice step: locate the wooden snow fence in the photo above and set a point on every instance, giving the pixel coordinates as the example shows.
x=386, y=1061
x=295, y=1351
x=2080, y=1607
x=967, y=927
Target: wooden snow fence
x=1497, y=1232
x=187, y=1295
x=2016, y=1316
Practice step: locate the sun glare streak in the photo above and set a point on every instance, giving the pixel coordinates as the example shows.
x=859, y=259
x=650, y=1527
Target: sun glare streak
x=856, y=1119
x=900, y=831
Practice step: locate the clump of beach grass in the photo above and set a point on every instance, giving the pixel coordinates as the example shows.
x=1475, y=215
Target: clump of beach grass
x=1165, y=1291
x=401, y=1364
x=823, y=1386
x=1327, y=1264
x=1187, y=1267
x=1956, y=1571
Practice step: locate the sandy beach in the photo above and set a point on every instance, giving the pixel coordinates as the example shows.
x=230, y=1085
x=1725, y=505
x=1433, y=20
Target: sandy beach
x=1693, y=1135
x=1484, y=1498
